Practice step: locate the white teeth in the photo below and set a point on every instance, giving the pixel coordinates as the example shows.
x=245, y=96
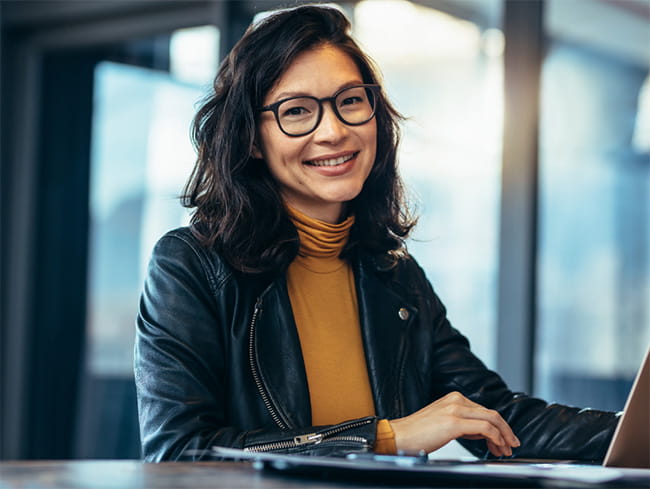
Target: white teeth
x=332, y=161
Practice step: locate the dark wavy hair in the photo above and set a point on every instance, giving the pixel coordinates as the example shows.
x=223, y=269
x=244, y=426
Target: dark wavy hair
x=237, y=204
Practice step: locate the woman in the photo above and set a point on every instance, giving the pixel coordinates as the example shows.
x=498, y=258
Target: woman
x=289, y=315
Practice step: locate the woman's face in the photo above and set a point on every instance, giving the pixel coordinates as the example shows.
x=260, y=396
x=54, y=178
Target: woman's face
x=321, y=171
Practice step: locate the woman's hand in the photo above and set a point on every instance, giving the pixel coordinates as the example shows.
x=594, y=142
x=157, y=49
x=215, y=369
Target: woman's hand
x=450, y=417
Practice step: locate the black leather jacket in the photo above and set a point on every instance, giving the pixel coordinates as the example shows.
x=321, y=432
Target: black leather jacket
x=218, y=362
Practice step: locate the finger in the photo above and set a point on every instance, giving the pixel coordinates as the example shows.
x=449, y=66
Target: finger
x=504, y=428
x=475, y=428
x=498, y=451
x=495, y=450
x=478, y=412
x=456, y=399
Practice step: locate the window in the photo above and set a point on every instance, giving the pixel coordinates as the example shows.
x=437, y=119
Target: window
x=444, y=74
x=141, y=156
x=594, y=249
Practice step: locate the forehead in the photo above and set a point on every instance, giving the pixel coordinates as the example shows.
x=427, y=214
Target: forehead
x=319, y=71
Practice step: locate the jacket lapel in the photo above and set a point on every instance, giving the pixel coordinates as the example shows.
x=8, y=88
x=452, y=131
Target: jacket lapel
x=279, y=356
x=385, y=319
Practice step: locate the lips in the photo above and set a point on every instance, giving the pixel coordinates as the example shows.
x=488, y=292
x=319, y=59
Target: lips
x=339, y=160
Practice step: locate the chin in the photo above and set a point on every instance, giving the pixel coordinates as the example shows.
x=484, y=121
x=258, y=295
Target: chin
x=346, y=195
x=343, y=199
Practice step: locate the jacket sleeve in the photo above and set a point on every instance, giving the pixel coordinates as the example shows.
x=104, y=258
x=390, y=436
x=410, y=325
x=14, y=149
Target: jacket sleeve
x=180, y=389
x=550, y=431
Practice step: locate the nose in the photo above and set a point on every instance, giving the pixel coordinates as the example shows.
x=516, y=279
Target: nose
x=330, y=129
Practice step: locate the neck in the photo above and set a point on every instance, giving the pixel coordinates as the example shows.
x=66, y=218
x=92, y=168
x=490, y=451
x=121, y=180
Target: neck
x=333, y=213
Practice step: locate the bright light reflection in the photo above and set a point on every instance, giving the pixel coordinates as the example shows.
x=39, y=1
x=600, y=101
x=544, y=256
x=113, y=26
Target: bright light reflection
x=194, y=54
x=431, y=34
x=641, y=140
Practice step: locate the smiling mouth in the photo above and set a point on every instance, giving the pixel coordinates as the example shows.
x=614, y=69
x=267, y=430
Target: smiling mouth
x=332, y=161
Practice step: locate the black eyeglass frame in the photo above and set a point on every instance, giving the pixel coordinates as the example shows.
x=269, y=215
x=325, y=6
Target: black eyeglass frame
x=374, y=88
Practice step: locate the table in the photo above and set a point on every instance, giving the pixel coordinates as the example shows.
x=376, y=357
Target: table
x=134, y=474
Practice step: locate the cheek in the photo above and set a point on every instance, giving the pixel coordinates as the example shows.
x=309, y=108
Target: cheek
x=371, y=144
x=283, y=157
x=371, y=132
x=285, y=152
x=269, y=138
x=371, y=140
x=263, y=141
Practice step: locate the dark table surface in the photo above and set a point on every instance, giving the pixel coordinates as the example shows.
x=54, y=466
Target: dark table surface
x=133, y=474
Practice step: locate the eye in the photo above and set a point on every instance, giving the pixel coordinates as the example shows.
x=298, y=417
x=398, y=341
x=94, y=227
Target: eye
x=352, y=100
x=294, y=111
x=298, y=108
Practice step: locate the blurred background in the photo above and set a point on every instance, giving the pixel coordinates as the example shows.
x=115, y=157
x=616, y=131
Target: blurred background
x=526, y=150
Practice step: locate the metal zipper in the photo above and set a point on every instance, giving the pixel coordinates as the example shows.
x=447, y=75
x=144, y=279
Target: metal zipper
x=345, y=426
x=348, y=438
x=254, y=370
x=285, y=445
x=314, y=438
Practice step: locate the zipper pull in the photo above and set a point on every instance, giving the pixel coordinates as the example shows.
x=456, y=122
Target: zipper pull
x=314, y=438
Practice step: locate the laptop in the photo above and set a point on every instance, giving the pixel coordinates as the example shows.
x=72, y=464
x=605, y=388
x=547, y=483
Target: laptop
x=630, y=446
x=626, y=464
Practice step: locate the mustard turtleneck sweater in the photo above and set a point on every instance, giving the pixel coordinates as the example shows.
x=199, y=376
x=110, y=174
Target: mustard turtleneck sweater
x=324, y=302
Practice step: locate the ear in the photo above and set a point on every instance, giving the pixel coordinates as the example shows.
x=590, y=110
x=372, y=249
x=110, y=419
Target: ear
x=257, y=153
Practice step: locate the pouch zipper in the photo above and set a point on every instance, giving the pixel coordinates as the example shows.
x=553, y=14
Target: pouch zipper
x=254, y=370
x=325, y=436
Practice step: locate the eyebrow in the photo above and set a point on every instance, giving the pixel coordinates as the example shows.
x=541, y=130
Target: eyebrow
x=285, y=95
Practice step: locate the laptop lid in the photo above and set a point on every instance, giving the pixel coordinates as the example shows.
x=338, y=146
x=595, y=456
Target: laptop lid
x=630, y=446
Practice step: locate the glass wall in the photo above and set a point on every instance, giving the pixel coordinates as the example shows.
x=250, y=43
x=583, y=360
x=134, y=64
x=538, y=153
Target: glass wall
x=141, y=157
x=594, y=248
x=445, y=74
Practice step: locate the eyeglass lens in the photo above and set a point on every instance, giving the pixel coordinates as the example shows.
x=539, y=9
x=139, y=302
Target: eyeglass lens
x=301, y=115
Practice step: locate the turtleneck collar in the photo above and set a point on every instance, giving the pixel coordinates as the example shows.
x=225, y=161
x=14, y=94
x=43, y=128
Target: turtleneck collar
x=321, y=243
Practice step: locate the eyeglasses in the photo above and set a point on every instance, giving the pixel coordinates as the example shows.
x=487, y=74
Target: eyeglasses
x=298, y=116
